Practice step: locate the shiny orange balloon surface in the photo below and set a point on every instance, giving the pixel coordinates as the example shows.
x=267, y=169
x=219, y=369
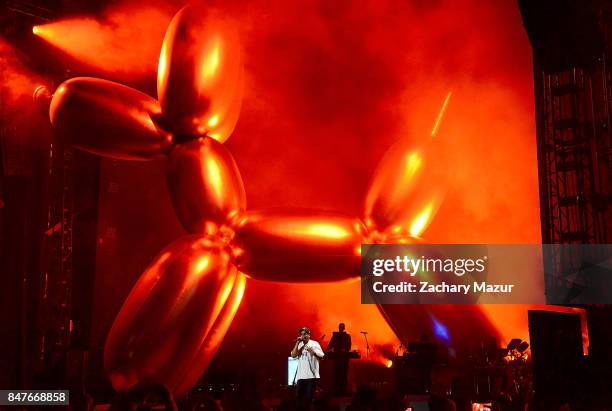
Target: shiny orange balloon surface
x=199, y=78
x=174, y=317
x=298, y=245
x=205, y=185
x=178, y=312
x=108, y=119
x=406, y=190
x=214, y=338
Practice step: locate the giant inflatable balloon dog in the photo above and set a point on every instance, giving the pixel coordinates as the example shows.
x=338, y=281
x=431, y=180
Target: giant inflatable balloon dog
x=177, y=314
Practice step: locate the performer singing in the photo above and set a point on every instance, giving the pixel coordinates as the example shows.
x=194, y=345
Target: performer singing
x=309, y=353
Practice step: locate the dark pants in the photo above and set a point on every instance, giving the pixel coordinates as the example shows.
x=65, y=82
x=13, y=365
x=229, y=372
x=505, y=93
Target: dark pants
x=305, y=392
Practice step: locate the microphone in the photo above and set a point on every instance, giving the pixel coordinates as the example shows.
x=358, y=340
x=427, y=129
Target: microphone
x=363, y=332
x=323, y=337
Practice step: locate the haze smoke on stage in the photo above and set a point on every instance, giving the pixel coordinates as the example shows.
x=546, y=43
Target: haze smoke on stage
x=124, y=41
x=329, y=87
x=18, y=82
x=17, y=85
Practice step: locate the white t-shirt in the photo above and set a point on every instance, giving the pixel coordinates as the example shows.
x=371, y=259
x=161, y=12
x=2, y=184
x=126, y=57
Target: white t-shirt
x=308, y=364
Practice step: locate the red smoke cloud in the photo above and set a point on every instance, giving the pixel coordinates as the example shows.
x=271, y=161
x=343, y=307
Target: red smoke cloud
x=17, y=85
x=125, y=41
x=330, y=86
x=17, y=81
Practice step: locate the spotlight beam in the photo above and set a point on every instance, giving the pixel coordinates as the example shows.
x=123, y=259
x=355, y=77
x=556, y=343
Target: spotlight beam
x=441, y=114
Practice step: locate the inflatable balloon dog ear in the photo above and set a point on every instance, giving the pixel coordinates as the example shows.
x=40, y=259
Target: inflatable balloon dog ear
x=177, y=314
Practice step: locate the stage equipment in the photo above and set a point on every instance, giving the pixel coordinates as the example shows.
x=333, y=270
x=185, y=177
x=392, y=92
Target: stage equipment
x=365, y=335
x=42, y=96
x=572, y=99
x=174, y=319
x=501, y=370
x=34, y=11
x=341, y=361
x=557, y=356
x=340, y=354
x=516, y=349
x=413, y=368
x=350, y=355
x=292, y=365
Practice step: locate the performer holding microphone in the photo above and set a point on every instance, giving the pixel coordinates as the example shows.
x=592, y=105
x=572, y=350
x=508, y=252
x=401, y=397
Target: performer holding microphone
x=308, y=352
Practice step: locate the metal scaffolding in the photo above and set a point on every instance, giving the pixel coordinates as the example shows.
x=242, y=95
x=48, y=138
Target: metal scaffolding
x=54, y=320
x=572, y=99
